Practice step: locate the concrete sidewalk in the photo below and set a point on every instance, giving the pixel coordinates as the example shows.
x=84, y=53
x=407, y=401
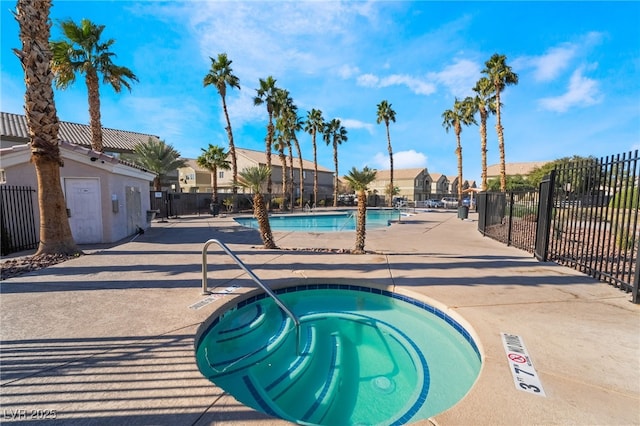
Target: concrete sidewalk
x=107, y=338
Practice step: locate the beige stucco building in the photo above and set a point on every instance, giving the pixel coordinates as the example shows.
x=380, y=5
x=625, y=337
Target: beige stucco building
x=193, y=178
x=417, y=184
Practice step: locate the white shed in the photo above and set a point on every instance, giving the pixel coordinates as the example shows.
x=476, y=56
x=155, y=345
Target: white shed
x=107, y=199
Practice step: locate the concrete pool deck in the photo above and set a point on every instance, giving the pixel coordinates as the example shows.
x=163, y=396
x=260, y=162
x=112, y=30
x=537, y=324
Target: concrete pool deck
x=107, y=338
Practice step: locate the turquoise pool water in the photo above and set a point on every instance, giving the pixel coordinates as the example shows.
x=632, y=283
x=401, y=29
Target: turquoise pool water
x=324, y=222
x=365, y=356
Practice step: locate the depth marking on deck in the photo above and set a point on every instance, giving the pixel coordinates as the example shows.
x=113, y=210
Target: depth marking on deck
x=212, y=298
x=524, y=374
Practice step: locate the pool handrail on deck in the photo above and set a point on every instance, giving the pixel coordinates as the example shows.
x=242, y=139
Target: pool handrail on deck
x=253, y=276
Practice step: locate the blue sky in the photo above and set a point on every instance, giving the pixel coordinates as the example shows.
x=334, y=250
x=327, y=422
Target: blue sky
x=578, y=65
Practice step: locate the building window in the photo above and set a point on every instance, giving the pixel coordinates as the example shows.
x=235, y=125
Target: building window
x=3, y=176
x=220, y=175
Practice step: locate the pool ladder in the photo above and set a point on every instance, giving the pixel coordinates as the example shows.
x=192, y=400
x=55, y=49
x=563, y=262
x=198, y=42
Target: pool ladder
x=253, y=276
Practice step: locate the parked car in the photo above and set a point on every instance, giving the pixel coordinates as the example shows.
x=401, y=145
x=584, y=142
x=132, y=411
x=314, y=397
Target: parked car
x=467, y=202
x=449, y=202
x=433, y=204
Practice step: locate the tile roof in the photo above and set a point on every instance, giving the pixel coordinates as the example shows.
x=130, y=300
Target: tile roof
x=260, y=157
x=400, y=173
x=513, y=169
x=14, y=127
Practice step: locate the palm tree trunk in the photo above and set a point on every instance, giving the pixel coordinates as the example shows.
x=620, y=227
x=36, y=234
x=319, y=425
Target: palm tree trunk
x=500, y=132
x=214, y=184
x=361, y=224
x=43, y=126
x=234, y=160
x=301, y=167
x=483, y=148
x=93, y=89
x=315, y=170
x=291, y=183
x=262, y=216
x=285, y=179
x=268, y=153
x=391, y=167
x=335, y=176
x=459, y=154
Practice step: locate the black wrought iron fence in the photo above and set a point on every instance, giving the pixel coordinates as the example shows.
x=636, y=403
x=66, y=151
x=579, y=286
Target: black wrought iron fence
x=509, y=217
x=586, y=218
x=17, y=216
x=594, y=226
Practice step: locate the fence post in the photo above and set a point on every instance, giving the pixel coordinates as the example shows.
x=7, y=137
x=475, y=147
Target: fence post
x=510, y=227
x=545, y=206
x=636, y=279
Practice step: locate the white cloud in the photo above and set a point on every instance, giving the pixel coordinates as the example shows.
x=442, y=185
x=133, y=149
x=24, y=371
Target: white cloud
x=582, y=92
x=368, y=80
x=557, y=59
x=417, y=86
x=459, y=78
x=356, y=124
x=410, y=159
x=347, y=71
x=550, y=65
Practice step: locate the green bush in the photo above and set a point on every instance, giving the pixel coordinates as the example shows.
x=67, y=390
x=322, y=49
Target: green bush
x=629, y=196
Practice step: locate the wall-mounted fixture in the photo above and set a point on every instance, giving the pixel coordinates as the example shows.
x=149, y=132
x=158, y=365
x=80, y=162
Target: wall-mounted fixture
x=94, y=158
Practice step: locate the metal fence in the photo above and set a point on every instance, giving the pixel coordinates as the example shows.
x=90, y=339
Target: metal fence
x=17, y=216
x=594, y=225
x=509, y=217
x=584, y=216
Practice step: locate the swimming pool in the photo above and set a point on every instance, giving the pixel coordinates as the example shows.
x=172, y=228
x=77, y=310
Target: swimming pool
x=365, y=356
x=324, y=222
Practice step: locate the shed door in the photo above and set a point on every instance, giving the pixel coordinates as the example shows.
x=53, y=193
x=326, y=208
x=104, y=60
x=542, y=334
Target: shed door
x=83, y=202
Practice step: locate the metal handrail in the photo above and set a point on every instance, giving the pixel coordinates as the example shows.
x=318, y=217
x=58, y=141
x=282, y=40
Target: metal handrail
x=253, y=276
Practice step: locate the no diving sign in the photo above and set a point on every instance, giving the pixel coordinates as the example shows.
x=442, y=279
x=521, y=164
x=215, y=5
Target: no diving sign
x=524, y=375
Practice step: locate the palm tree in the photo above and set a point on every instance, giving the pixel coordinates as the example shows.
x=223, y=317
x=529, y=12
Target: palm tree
x=313, y=125
x=500, y=75
x=335, y=134
x=280, y=143
x=484, y=103
x=359, y=181
x=293, y=123
x=254, y=178
x=213, y=159
x=82, y=52
x=220, y=75
x=266, y=94
x=43, y=126
x=461, y=114
x=387, y=114
x=158, y=157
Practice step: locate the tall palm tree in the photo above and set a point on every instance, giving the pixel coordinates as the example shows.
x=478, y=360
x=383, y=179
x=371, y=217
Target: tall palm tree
x=280, y=143
x=266, y=94
x=213, y=159
x=484, y=103
x=158, y=157
x=359, y=181
x=501, y=75
x=313, y=125
x=254, y=178
x=460, y=115
x=293, y=124
x=43, y=126
x=82, y=52
x=387, y=114
x=221, y=75
x=335, y=134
